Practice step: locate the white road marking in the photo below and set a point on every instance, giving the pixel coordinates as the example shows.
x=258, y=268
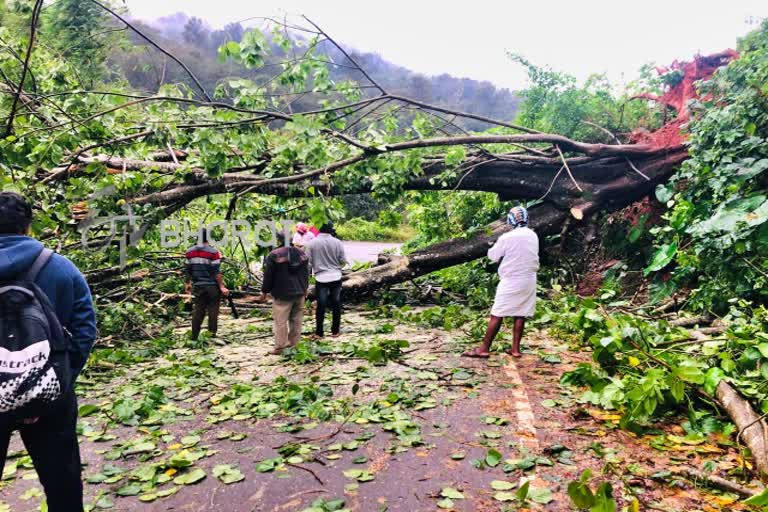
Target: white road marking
x=523, y=409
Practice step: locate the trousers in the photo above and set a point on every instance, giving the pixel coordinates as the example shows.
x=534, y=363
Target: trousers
x=288, y=315
x=207, y=299
x=328, y=294
x=52, y=444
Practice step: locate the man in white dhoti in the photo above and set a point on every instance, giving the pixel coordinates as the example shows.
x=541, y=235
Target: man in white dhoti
x=517, y=253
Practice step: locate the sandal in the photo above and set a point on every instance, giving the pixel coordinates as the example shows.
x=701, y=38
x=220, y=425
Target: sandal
x=476, y=353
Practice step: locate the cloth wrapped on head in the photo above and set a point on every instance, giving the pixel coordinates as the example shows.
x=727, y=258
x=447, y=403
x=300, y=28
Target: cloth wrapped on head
x=517, y=217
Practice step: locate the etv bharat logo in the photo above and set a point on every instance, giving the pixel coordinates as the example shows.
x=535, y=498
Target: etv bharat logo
x=175, y=232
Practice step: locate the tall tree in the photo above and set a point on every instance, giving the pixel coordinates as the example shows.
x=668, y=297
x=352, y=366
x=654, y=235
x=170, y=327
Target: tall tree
x=82, y=32
x=196, y=33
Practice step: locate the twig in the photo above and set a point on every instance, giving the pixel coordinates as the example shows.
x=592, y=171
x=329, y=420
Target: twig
x=568, y=169
x=307, y=470
x=25, y=68
x=332, y=434
x=717, y=482
x=631, y=165
x=552, y=184
x=344, y=52
x=472, y=168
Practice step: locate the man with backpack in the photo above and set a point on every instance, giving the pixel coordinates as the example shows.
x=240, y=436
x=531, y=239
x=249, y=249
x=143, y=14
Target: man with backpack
x=47, y=330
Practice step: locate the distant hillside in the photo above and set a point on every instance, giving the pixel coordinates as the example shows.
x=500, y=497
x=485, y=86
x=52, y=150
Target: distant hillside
x=196, y=43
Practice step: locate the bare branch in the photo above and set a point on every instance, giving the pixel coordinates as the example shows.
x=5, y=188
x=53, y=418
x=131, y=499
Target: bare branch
x=25, y=67
x=160, y=48
x=349, y=57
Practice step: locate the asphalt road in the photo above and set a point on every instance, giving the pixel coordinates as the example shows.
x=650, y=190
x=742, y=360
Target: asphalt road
x=363, y=252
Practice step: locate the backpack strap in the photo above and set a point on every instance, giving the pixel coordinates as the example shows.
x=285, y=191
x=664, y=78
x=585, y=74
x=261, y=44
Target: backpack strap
x=41, y=260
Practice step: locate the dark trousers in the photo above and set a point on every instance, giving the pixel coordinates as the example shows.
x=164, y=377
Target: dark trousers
x=52, y=444
x=206, y=301
x=328, y=293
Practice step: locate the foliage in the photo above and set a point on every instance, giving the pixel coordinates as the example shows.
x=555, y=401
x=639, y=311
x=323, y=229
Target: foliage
x=646, y=368
x=361, y=229
x=583, y=497
x=556, y=103
x=82, y=32
x=715, y=230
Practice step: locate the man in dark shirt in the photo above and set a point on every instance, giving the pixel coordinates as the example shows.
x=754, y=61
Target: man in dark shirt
x=204, y=282
x=286, y=278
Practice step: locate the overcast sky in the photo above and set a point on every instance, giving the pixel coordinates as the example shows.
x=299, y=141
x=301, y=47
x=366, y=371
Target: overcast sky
x=471, y=37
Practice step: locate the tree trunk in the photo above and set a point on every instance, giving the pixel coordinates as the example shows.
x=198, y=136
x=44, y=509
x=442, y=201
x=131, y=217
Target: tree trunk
x=545, y=219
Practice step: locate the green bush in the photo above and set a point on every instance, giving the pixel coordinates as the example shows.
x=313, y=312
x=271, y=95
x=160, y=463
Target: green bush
x=365, y=230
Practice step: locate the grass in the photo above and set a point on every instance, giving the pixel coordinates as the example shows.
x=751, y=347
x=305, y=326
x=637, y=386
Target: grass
x=367, y=231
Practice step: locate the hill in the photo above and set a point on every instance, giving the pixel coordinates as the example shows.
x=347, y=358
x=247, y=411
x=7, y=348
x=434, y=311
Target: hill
x=196, y=43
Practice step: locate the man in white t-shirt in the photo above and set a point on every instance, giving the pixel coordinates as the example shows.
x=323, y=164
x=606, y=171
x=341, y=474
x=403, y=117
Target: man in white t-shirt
x=517, y=251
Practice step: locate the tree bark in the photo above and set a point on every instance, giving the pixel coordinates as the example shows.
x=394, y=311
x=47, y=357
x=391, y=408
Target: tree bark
x=752, y=427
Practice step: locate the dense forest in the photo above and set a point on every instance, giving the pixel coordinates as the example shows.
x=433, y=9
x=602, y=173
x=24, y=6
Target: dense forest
x=647, y=358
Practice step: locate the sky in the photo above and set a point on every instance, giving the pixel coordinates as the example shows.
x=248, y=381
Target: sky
x=471, y=38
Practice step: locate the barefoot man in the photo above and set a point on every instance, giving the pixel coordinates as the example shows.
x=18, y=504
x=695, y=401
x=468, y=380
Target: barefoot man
x=517, y=253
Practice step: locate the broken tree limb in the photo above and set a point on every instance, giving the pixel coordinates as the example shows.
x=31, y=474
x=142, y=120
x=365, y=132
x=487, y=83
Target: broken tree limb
x=717, y=482
x=752, y=427
x=545, y=219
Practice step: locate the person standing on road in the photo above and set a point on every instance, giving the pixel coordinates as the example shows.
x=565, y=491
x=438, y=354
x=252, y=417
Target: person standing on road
x=204, y=282
x=286, y=278
x=47, y=330
x=326, y=255
x=517, y=253
x=302, y=236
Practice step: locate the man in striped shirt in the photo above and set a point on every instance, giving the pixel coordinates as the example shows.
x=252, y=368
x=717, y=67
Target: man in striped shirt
x=204, y=281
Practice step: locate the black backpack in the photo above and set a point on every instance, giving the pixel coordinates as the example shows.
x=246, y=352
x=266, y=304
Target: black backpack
x=35, y=372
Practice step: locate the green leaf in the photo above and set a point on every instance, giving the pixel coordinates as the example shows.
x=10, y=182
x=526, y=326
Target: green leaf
x=690, y=374
x=130, y=489
x=580, y=493
x=190, y=478
x=661, y=258
x=445, y=503
x=541, y=495
x=190, y=441
x=143, y=447
x=228, y=474
x=522, y=492
x=87, y=410
x=758, y=500
x=604, y=501
x=505, y=496
x=502, y=485
x=450, y=492
x=268, y=465
x=664, y=194
x=712, y=379
x=493, y=457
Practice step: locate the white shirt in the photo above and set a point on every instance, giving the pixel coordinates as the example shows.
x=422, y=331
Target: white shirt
x=518, y=251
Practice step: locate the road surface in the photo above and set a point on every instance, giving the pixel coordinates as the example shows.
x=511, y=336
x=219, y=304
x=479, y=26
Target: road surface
x=362, y=252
